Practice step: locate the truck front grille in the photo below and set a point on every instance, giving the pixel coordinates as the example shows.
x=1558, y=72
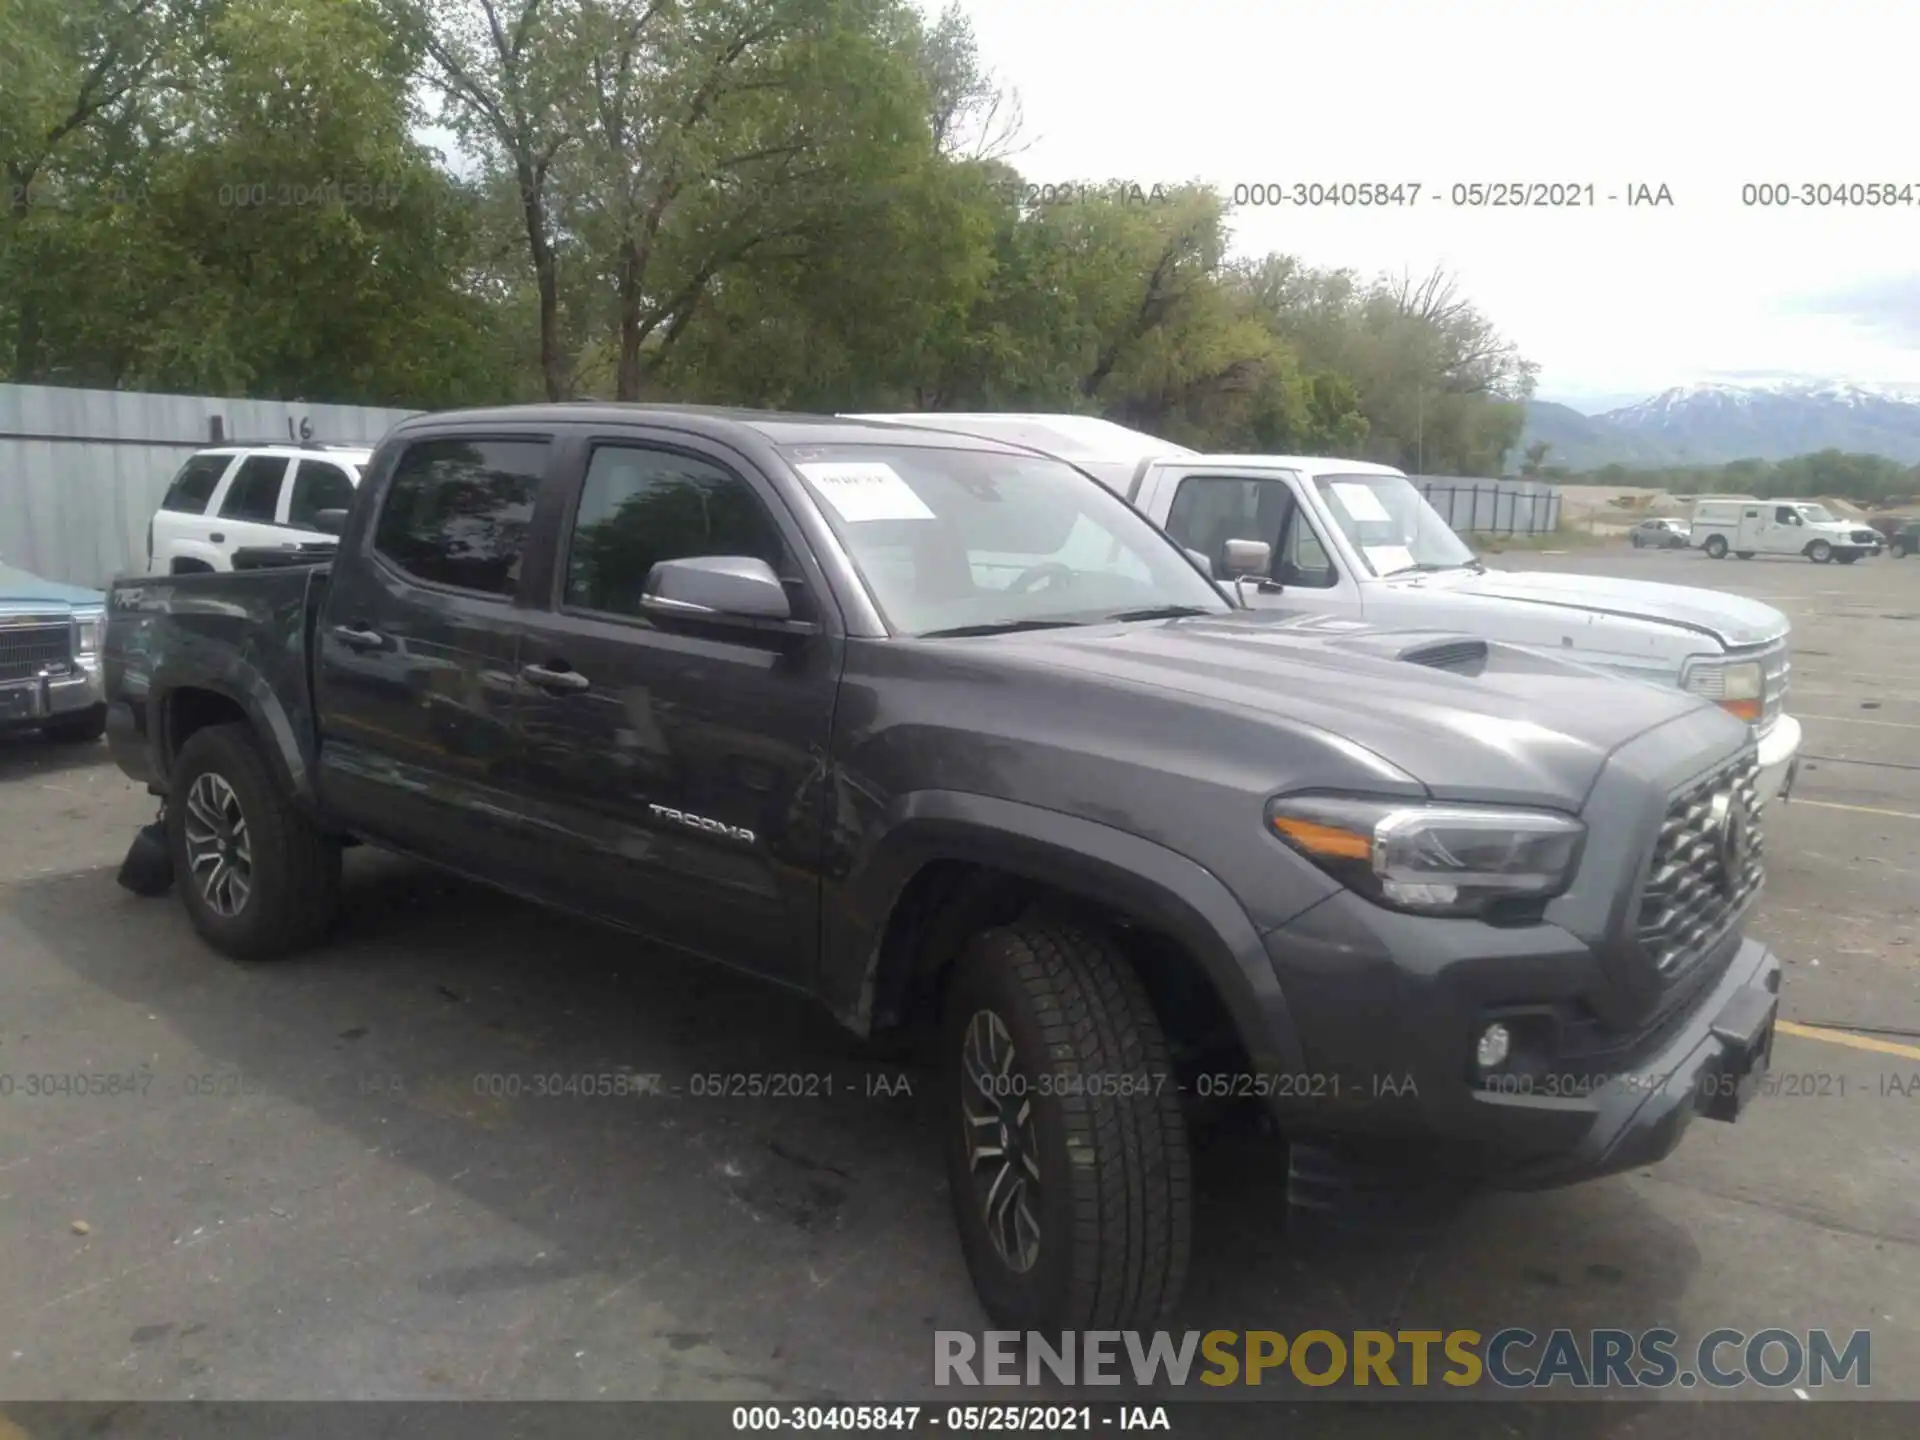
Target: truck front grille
x=1708, y=862
x=1776, y=668
x=29, y=644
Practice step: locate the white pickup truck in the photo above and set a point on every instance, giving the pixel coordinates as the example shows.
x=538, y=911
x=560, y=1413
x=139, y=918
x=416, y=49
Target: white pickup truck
x=1348, y=538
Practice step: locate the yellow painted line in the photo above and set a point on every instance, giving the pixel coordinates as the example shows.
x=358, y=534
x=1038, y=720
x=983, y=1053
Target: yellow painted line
x=1857, y=809
x=1850, y=1040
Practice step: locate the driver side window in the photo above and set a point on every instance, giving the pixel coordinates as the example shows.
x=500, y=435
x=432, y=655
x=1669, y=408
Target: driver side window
x=1210, y=510
x=1783, y=515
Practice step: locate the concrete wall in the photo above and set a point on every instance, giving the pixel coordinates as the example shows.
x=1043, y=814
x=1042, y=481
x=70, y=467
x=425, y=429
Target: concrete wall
x=1484, y=506
x=82, y=471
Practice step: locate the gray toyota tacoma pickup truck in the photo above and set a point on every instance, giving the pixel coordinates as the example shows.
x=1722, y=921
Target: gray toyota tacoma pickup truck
x=942, y=733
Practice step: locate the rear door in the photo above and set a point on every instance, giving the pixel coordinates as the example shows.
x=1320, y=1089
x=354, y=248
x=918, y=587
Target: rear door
x=417, y=648
x=677, y=771
x=247, y=508
x=177, y=535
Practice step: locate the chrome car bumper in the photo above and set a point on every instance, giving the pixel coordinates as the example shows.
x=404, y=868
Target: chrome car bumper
x=1779, y=759
x=49, y=696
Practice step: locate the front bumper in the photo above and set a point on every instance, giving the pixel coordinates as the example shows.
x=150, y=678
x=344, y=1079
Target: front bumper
x=1779, y=760
x=1616, y=1042
x=1711, y=1067
x=47, y=697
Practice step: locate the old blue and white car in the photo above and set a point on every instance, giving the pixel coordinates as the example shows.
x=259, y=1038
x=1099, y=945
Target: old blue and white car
x=50, y=657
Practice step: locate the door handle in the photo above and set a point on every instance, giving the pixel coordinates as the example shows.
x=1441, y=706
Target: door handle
x=554, y=679
x=355, y=638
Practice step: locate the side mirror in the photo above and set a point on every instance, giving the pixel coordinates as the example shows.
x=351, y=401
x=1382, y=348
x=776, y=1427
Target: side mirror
x=330, y=522
x=721, y=589
x=1248, y=557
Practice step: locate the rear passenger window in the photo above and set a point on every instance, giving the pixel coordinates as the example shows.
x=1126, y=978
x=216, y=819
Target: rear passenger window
x=318, y=485
x=195, y=484
x=457, y=511
x=255, y=491
x=639, y=507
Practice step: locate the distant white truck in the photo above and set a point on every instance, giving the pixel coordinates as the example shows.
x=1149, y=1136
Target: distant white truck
x=1325, y=536
x=1746, y=526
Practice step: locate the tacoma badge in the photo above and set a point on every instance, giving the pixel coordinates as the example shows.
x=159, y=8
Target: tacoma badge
x=702, y=822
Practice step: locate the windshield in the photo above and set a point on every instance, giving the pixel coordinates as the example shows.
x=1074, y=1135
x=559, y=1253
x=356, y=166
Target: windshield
x=1816, y=513
x=1391, y=524
x=952, y=539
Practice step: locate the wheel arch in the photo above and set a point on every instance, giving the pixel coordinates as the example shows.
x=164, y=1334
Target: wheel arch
x=176, y=709
x=953, y=863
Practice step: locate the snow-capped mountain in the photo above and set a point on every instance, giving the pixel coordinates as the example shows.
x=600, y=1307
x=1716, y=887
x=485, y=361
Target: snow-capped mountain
x=1714, y=423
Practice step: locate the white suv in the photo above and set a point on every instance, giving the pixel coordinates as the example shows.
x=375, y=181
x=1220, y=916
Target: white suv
x=229, y=496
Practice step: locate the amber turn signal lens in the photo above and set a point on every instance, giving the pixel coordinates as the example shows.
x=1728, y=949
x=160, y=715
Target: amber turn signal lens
x=1748, y=710
x=1327, y=840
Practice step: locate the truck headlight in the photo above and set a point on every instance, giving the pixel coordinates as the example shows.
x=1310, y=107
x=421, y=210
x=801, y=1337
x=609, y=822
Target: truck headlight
x=1432, y=859
x=1735, y=687
x=86, y=633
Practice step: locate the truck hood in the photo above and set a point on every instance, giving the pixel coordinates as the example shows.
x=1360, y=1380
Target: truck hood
x=1529, y=727
x=1733, y=620
x=20, y=590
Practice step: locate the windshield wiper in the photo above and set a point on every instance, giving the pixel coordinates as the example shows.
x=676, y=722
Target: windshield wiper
x=999, y=627
x=1161, y=612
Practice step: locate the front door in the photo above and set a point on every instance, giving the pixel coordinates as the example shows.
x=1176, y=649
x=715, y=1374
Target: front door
x=1786, y=531
x=677, y=771
x=416, y=653
x=1303, y=576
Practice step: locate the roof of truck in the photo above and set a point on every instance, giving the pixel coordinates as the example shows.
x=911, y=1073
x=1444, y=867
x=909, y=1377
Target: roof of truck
x=1084, y=438
x=714, y=421
x=1071, y=437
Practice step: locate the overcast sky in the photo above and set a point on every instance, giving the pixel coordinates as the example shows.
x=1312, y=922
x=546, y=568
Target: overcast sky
x=1613, y=302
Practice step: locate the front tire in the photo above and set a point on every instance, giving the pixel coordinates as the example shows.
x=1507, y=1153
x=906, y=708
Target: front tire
x=1901, y=549
x=1744, y=554
x=1716, y=547
x=1820, y=552
x=1066, y=1147
x=258, y=878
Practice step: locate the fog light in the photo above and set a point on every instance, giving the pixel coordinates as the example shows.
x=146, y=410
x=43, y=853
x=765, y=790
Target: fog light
x=1494, y=1044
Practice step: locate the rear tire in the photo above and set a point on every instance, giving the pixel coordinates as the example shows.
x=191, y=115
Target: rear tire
x=1744, y=554
x=1901, y=549
x=1087, y=1221
x=82, y=729
x=258, y=878
x=1716, y=547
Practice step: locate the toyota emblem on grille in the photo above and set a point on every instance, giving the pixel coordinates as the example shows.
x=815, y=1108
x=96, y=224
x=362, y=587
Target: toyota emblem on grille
x=1731, y=840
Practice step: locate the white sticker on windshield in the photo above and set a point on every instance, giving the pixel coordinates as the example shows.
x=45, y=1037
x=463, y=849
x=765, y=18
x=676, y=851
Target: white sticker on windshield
x=865, y=490
x=1386, y=559
x=1360, y=502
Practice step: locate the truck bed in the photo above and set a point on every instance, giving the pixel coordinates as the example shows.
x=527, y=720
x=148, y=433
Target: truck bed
x=244, y=636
